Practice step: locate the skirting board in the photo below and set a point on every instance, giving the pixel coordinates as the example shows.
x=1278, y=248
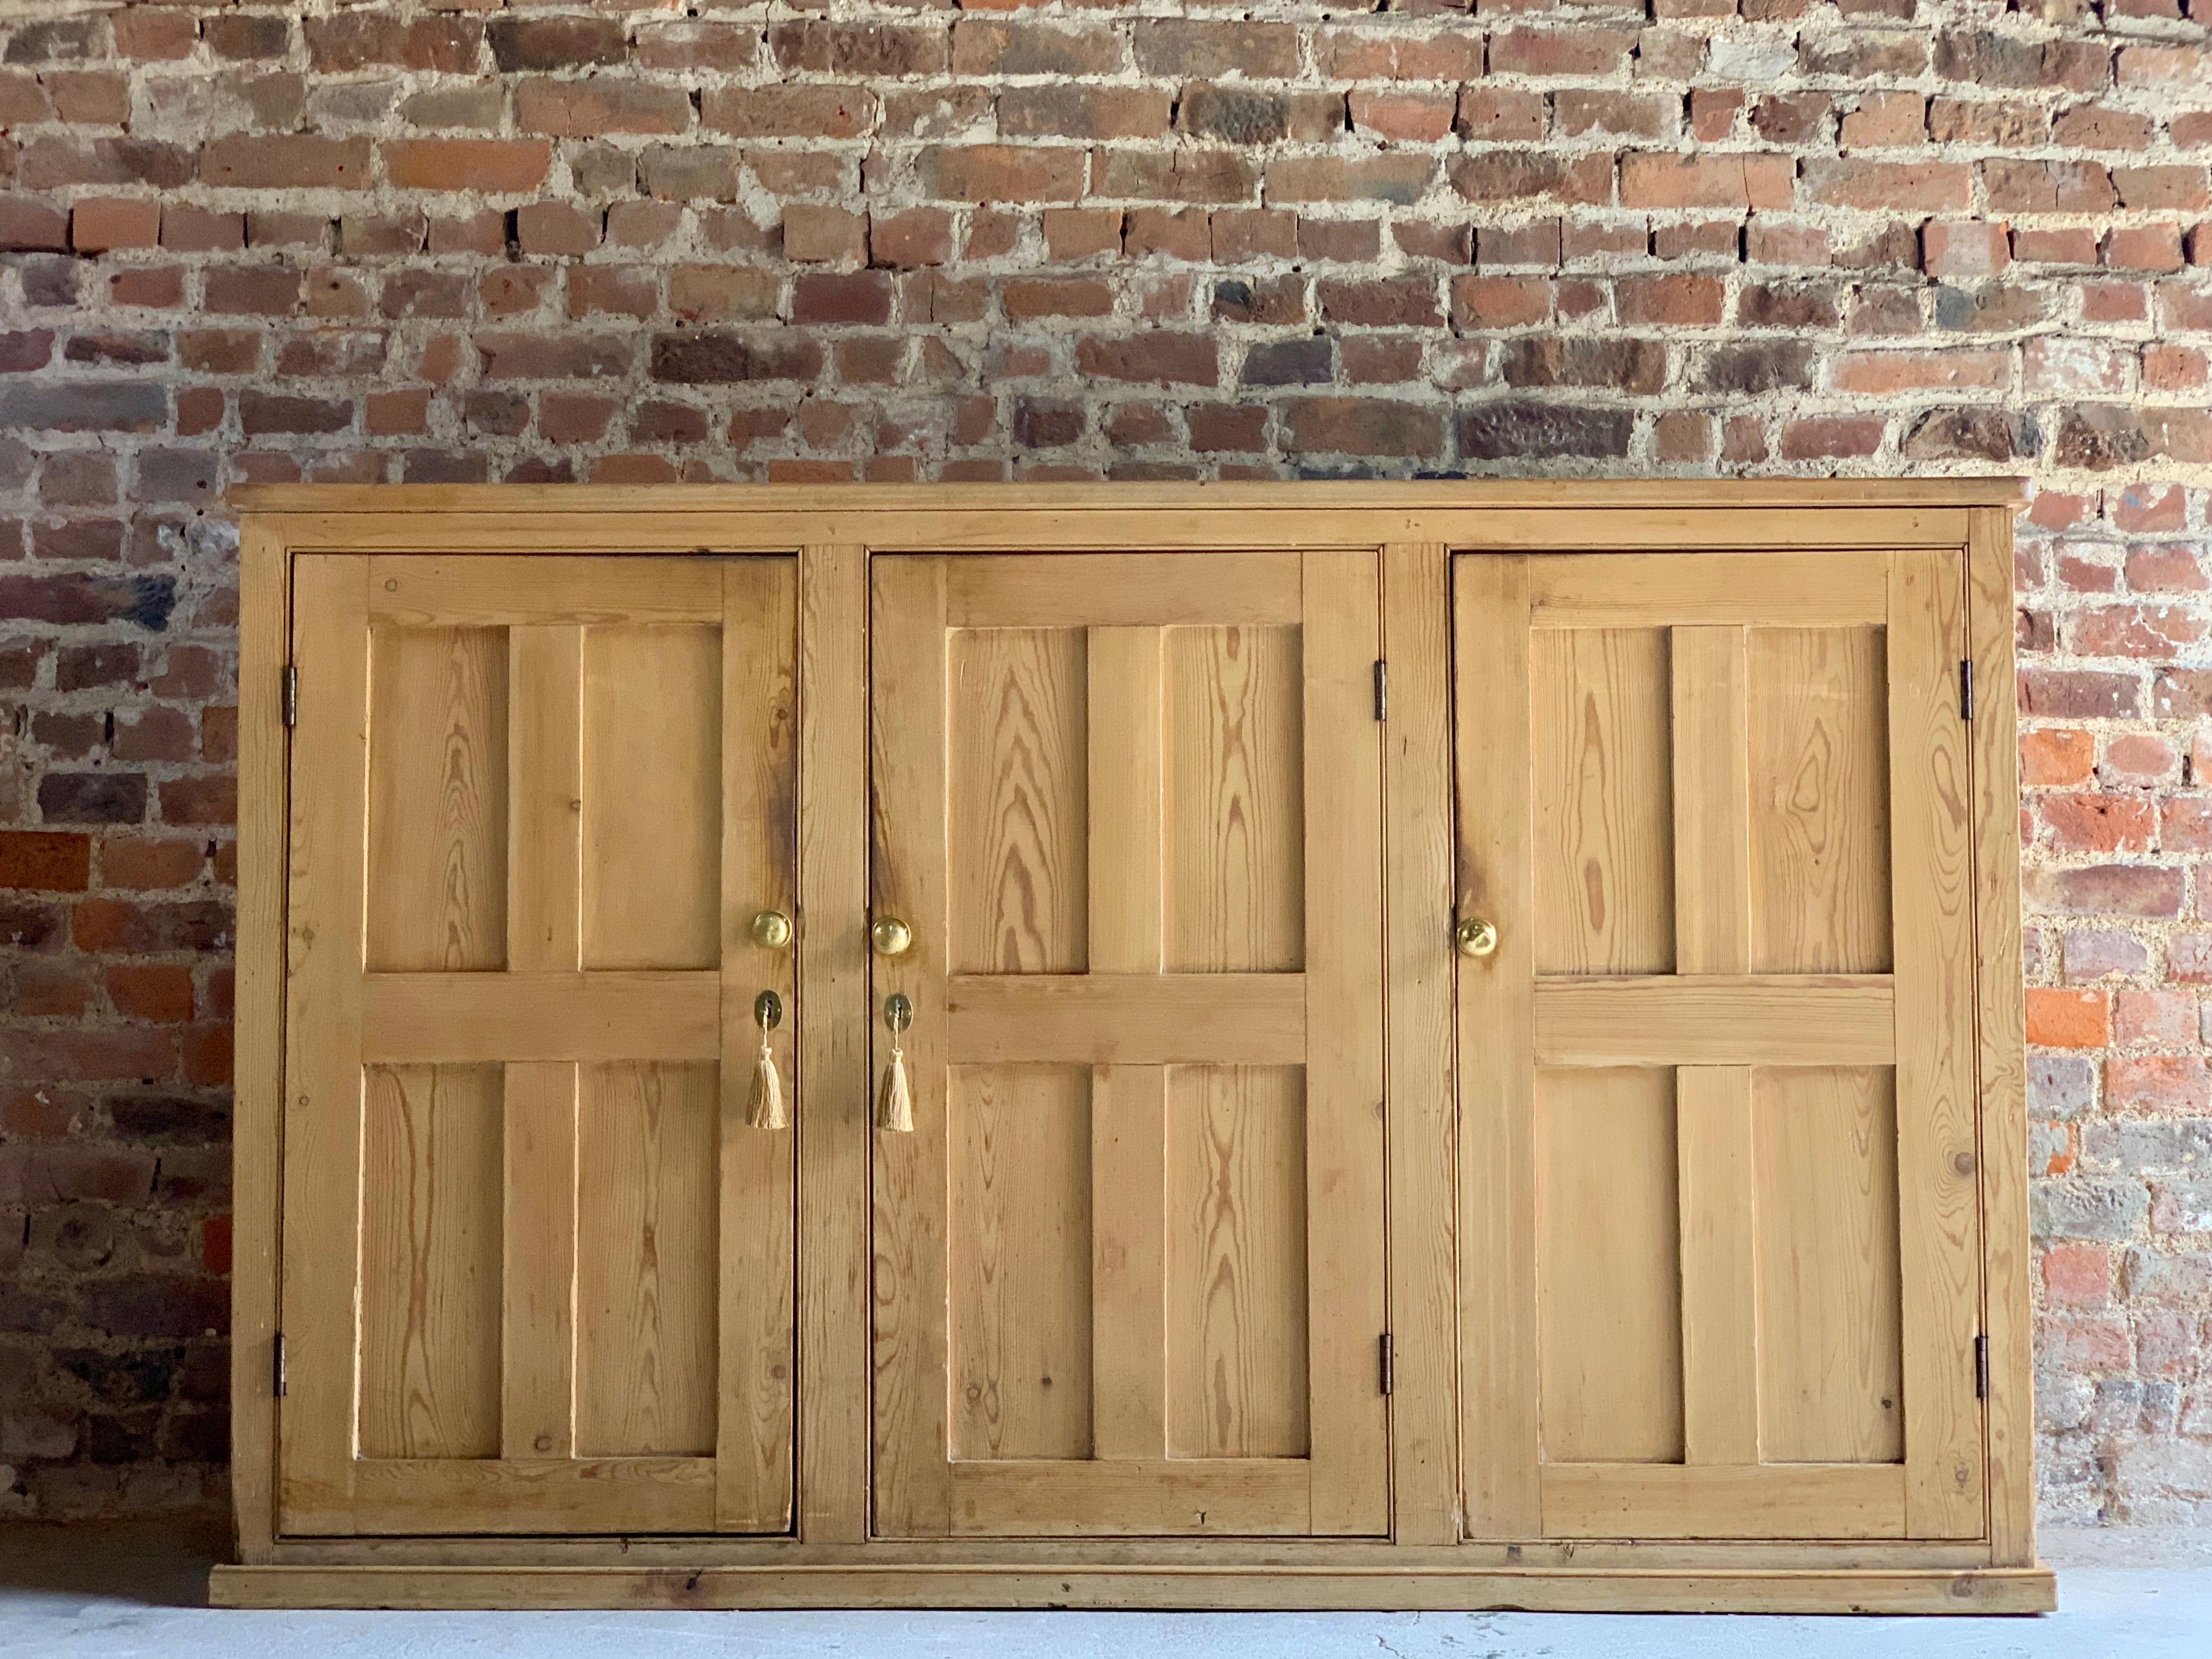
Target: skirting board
x=1983, y=1591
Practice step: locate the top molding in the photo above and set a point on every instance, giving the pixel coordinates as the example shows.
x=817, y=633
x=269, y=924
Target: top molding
x=1564, y=493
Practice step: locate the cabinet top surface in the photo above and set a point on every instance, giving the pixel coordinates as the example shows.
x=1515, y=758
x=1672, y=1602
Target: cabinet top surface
x=1564, y=493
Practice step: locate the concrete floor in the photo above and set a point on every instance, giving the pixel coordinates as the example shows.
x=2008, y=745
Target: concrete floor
x=138, y=1596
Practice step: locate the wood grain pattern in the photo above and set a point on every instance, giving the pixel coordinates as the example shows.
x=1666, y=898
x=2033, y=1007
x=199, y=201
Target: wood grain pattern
x=1829, y=1295
x=1128, y=1260
x=1723, y=1500
x=1124, y=590
x=1604, y=805
x=543, y=850
x=1712, y=802
x=834, y=1026
x=907, y=878
x=1236, y=875
x=1237, y=1262
x=1609, y=1268
x=317, y=1428
x=2002, y=1075
x=1819, y=828
x=430, y=1271
x=423, y=1019
x=1020, y=1272
x=756, y=1238
x=1722, y=1336
x=258, y=1108
x=490, y=590
x=1729, y=1587
x=537, y=1298
x=1125, y=838
x=1129, y=1019
x=1018, y=779
x=1496, y=1035
x=1423, y=1124
x=1830, y=1019
x=653, y=768
x=1774, y=589
x=645, y=1204
x=1939, y=1200
x=437, y=799
x=1250, y=1496
x=1346, y=1165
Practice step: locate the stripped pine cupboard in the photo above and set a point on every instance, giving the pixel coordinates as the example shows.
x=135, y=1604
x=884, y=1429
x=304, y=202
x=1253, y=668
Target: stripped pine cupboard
x=1440, y=1045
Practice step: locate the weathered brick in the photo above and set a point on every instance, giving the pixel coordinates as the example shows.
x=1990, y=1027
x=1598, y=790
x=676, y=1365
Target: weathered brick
x=497, y=166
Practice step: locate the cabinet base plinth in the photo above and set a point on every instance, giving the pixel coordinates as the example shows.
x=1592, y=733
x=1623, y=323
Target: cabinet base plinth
x=1981, y=1591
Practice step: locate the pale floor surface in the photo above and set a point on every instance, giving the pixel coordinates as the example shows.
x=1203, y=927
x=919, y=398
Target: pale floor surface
x=138, y=1598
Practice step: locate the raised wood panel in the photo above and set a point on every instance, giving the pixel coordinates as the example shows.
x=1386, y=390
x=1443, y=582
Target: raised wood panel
x=653, y=768
x=1020, y=1276
x=437, y=799
x=1237, y=1262
x=1819, y=823
x=430, y=1262
x=1235, y=854
x=1829, y=1294
x=1603, y=800
x=1016, y=717
x=1608, y=1265
x=645, y=1254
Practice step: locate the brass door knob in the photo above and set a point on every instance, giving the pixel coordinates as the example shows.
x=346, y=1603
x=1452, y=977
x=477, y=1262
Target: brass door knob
x=1475, y=937
x=771, y=929
x=889, y=936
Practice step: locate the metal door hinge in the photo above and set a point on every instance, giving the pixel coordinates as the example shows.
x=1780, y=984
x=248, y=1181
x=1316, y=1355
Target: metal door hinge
x=1381, y=689
x=291, y=695
x=1981, y=1368
x=1965, y=690
x=277, y=1381
x=1389, y=1377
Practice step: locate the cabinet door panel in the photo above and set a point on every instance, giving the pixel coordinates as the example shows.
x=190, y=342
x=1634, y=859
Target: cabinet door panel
x=1721, y=1241
x=538, y=1271
x=1129, y=1266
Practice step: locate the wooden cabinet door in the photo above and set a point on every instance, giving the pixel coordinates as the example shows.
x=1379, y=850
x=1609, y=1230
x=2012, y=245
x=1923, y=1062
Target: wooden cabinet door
x=1129, y=1273
x=538, y=1271
x=1721, y=1248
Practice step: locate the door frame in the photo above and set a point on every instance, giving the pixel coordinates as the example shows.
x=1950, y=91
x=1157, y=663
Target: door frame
x=833, y=528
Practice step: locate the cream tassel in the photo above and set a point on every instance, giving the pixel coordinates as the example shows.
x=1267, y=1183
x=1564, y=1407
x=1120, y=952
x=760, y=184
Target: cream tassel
x=764, y=1110
x=894, y=1101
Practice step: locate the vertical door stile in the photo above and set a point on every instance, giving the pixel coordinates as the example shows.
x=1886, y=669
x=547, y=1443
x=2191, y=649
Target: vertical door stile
x=1345, y=1194
x=756, y=1362
x=1422, y=1139
x=831, y=1120
x=1712, y=1103
x=537, y=1299
x=319, y=1421
x=908, y=644
x=1128, y=1107
x=1937, y=1187
x=1496, y=1028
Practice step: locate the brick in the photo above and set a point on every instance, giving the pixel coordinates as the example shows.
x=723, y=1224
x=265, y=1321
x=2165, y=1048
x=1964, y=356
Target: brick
x=47, y=861
x=1891, y=186
x=554, y=43
x=291, y=161
x=99, y=224
x=1158, y=357
x=1000, y=173
x=584, y=109
x=886, y=50
x=1210, y=50
x=2068, y=1018
x=496, y=166
x=556, y=228
x=1650, y=180
x=28, y=226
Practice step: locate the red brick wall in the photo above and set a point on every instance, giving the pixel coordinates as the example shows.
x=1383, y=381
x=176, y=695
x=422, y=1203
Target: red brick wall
x=455, y=239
